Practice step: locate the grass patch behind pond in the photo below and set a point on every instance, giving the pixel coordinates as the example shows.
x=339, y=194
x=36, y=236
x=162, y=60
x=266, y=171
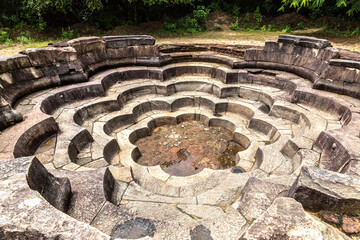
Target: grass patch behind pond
x=241, y=37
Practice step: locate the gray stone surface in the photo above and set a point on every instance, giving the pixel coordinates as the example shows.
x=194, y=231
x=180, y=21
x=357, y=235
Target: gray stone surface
x=257, y=196
x=286, y=219
x=304, y=41
x=128, y=40
x=25, y=214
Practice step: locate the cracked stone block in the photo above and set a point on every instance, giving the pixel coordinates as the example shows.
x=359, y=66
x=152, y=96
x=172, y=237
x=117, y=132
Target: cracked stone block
x=128, y=40
x=304, y=41
x=12, y=62
x=286, y=219
x=318, y=189
x=257, y=196
x=49, y=55
x=55, y=190
x=84, y=45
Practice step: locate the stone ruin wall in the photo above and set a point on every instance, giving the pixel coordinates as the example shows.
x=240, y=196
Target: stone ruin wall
x=77, y=70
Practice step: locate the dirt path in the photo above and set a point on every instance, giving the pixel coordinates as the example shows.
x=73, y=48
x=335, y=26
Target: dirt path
x=226, y=37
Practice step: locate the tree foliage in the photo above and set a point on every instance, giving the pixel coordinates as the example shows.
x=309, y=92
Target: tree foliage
x=353, y=6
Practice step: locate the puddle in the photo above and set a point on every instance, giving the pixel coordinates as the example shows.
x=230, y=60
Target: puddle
x=187, y=148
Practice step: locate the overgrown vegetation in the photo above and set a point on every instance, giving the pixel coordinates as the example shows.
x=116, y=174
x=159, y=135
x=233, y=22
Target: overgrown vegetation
x=27, y=21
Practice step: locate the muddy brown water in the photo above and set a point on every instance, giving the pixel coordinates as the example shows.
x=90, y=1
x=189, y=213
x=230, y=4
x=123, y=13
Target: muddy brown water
x=187, y=148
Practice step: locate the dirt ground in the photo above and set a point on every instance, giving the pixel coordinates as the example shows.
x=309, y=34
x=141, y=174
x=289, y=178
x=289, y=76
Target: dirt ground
x=216, y=37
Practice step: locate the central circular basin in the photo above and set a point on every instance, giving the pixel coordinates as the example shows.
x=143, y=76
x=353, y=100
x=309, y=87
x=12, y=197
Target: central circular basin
x=186, y=148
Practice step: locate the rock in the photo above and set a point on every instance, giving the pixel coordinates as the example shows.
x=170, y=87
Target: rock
x=8, y=116
x=128, y=40
x=12, y=62
x=350, y=225
x=200, y=232
x=319, y=189
x=25, y=214
x=345, y=63
x=87, y=44
x=332, y=218
x=49, y=55
x=57, y=191
x=257, y=196
x=286, y=219
x=304, y=41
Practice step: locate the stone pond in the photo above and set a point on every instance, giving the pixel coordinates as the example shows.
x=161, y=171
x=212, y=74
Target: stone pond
x=119, y=138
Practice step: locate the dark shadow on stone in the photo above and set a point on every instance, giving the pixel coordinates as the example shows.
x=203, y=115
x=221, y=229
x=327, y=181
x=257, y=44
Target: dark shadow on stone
x=134, y=229
x=200, y=232
x=264, y=109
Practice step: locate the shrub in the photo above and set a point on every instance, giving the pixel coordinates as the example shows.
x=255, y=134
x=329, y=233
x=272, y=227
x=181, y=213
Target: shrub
x=171, y=27
x=189, y=24
x=235, y=25
x=4, y=35
x=247, y=17
x=201, y=13
x=287, y=29
x=24, y=37
x=67, y=34
x=217, y=27
x=356, y=31
x=235, y=10
x=257, y=16
x=300, y=25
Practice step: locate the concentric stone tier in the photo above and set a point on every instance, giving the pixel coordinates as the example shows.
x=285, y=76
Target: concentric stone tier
x=71, y=114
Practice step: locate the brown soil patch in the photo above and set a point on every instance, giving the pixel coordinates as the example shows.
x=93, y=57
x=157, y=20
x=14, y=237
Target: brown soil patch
x=289, y=19
x=216, y=19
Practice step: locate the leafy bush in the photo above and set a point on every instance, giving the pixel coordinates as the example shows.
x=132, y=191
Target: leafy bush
x=201, y=13
x=67, y=34
x=24, y=38
x=42, y=26
x=300, y=25
x=247, y=17
x=356, y=31
x=189, y=24
x=235, y=25
x=217, y=27
x=185, y=24
x=235, y=10
x=257, y=15
x=4, y=36
x=171, y=27
x=287, y=29
x=269, y=28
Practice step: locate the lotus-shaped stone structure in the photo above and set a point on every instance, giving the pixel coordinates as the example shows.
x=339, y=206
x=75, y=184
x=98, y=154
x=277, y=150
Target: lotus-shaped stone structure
x=72, y=115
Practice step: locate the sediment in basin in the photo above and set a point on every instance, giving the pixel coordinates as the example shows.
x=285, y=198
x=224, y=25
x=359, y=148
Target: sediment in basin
x=187, y=148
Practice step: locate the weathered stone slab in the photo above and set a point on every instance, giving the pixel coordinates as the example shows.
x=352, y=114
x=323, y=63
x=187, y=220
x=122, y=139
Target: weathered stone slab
x=128, y=40
x=87, y=44
x=304, y=41
x=345, y=63
x=25, y=214
x=257, y=196
x=55, y=190
x=12, y=62
x=49, y=55
x=90, y=191
x=319, y=189
x=8, y=116
x=286, y=219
